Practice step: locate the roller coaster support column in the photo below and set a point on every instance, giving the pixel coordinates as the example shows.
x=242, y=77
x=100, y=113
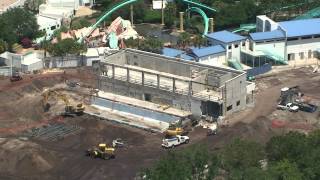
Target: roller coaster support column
x=181, y=21
x=131, y=14
x=162, y=13
x=211, y=20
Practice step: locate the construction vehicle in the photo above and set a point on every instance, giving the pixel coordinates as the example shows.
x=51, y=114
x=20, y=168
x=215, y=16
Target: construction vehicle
x=290, y=107
x=174, y=131
x=15, y=77
x=175, y=141
x=70, y=110
x=102, y=151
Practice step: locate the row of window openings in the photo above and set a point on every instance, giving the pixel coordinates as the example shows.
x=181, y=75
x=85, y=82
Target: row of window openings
x=237, y=45
x=229, y=108
x=301, y=54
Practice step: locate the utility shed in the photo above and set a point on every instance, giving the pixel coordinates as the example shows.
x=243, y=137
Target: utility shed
x=188, y=86
x=31, y=63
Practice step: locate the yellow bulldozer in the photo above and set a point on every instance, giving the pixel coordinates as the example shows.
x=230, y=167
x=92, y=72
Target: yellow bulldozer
x=70, y=110
x=102, y=151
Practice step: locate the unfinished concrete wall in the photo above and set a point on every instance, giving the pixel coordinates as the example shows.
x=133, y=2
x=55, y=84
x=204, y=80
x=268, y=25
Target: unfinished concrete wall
x=117, y=58
x=157, y=63
x=235, y=92
x=145, y=93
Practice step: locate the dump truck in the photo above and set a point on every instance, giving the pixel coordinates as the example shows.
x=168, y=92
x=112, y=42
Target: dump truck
x=175, y=141
x=102, y=151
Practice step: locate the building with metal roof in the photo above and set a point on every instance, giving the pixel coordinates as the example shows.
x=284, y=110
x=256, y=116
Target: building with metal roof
x=299, y=28
x=284, y=42
x=225, y=37
x=266, y=36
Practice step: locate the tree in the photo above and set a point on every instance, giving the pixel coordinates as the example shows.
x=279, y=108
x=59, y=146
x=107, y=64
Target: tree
x=3, y=46
x=285, y=170
x=26, y=42
x=80, y=23
x=170, y=14
x=194, y=162
x=21, y=22
x=199, y=41
x=241, y=154
x=184, y=39
x=33, y=5
x=66, y=46
x=151, y=44
x=291, y=146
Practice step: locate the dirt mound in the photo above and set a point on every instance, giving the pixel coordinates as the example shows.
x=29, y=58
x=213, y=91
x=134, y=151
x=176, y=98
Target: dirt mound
x=25, y=157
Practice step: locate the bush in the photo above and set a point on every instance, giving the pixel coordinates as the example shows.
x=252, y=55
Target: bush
x=152, y=16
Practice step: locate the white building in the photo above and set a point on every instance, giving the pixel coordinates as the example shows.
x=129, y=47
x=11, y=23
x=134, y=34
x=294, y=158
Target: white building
x=157, y=4
x=291, y=42
x=212, y=55
x=231, y=42
x=24, y=63
x=48, y=24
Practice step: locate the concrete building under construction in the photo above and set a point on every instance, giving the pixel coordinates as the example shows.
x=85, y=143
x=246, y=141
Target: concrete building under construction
x=189, y=86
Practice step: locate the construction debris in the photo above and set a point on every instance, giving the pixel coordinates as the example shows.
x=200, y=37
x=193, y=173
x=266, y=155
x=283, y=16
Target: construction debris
x=53, y=132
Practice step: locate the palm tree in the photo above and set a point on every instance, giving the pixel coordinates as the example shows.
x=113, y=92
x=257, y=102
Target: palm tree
x=184, y=40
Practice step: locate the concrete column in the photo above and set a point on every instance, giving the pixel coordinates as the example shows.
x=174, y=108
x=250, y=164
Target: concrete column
x=211, y=21
x=181, y=21
x=131, y=14
x=162, y=12
x=190, y=88
x=142, y=78
x=173, y=85
x=158, y=81
x=113, y=71
x=128, y=75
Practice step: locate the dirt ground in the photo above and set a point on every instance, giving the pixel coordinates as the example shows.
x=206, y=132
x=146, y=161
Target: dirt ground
x=32, y=158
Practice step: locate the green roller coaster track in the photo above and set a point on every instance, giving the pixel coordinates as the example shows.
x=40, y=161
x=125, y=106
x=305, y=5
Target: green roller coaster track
x=204, y=17
x=197, y=7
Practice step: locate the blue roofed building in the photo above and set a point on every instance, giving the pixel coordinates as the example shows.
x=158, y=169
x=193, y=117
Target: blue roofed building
x=287, y=42
x=231, y=42
x=176, y=53
x=212, y=55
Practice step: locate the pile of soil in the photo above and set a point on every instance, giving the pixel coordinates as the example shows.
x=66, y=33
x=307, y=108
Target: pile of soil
x=25, y=157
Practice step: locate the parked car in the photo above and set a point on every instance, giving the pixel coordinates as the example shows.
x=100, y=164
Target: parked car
x=289, y=107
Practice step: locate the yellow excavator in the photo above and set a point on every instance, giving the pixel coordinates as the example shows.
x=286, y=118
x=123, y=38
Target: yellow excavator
x=70, y=110
x=174, y=130
x=102, y=151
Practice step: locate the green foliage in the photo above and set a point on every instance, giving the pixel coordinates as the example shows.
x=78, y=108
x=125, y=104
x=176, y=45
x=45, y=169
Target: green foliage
x=193, y=163
x=3, y=46
x=293, y=156
x=285, y=170
x=66, y=46
x=290, y=146
x=152, y=16
x=17, y=23
x=80, y=23
x=184, y=39
x=170, y=13
x=33, y=5
x=151, y=44
x=241, y=154
x=57, y=32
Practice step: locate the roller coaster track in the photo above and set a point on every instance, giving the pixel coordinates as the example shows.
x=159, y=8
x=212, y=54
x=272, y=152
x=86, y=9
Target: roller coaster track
x=197, y=7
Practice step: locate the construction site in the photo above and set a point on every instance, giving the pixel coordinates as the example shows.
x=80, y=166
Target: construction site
x=50, y=120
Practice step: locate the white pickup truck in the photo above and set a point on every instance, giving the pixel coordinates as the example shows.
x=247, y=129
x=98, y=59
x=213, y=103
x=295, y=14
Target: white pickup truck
x=175, y=141
x=290, y=107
